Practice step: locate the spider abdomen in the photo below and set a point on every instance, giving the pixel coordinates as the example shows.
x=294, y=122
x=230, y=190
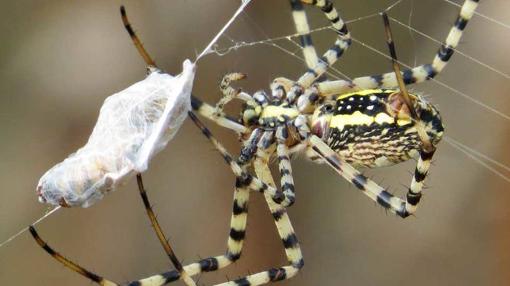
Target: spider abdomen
x=374, y=128
x=375, y=145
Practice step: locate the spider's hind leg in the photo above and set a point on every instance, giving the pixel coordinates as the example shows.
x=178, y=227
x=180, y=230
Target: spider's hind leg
x=396, y=205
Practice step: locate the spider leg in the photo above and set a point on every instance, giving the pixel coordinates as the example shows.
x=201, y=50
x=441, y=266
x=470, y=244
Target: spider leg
x=402, y=208
x=303, y=29
x=161, y=236
x=330, y=56
x=68, y=263
x=408, y=101
x=286, y=233
x=221, y=119
x=415, y=75
x=279, y=88
x=233, y=253
x=136, y=41
x=284, y=166
x=282, y=222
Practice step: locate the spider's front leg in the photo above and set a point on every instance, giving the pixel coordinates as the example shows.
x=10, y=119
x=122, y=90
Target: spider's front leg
x=402, y=208
x=341, y=44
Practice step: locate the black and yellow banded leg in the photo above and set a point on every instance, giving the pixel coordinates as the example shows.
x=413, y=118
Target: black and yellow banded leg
x=330, y=56
x=303, y=29
x=161, y=236
x=68, y=263
x=250, y=148
x=156, y=280
x=221, y=119
x=378, y=194
x=286, y=233
x=415, y=75
x=420, y=173
x=244, y=179
x=284, y=166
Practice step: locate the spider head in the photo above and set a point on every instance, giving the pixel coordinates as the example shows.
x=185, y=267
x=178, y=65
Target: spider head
x=321, y=119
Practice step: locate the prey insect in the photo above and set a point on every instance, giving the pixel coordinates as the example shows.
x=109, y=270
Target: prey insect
x=370, y=121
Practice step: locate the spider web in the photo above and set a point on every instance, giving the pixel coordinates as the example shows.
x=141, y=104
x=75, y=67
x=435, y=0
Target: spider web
x=471, y=92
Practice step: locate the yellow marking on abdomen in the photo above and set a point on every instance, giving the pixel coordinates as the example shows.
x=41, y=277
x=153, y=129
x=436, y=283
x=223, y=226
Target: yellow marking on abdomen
x=365, y=92
x=359, y=118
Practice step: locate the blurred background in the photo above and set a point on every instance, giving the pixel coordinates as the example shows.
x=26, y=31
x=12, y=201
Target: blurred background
x=60, y=59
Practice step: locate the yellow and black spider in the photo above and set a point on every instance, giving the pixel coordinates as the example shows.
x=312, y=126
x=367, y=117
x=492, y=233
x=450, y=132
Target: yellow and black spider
x=369, y=121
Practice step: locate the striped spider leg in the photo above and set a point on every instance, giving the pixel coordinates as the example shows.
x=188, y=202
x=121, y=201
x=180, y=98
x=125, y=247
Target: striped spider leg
x=329, y=89
x=260, y=148
x=156, y=280
x=341, y=44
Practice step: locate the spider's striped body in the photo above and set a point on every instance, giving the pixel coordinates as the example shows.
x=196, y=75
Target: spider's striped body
x=373, y=128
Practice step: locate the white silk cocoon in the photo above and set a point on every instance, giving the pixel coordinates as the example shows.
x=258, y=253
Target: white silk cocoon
x=133, y=125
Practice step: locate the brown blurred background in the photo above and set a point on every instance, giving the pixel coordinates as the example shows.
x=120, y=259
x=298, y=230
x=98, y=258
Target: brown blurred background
x=60, y=59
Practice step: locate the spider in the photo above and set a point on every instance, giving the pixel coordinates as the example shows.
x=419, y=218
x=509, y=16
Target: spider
x=369, y=121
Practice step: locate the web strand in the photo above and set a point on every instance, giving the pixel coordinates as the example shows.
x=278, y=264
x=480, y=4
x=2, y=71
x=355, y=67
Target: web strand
x=14, y=236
